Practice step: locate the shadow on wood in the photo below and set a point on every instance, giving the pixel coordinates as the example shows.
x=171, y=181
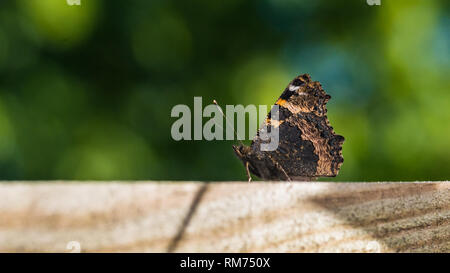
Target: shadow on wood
x=198, y=196
x=401, y=217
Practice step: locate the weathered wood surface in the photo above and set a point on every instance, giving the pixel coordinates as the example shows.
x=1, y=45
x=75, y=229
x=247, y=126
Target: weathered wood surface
x=225, y=217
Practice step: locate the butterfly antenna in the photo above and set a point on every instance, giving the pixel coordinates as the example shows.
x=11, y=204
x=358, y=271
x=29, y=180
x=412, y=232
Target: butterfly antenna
x=227, y=121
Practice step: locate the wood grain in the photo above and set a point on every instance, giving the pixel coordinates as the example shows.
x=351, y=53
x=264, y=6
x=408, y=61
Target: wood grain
x=225, y=217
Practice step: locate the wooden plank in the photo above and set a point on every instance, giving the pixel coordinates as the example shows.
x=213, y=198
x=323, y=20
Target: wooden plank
x=224, y=217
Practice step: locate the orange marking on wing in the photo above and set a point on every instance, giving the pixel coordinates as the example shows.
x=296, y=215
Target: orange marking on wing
x=273, y=122
x=280, y=102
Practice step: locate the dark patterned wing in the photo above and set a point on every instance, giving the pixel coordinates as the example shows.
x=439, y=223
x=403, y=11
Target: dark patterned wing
x=308, y=145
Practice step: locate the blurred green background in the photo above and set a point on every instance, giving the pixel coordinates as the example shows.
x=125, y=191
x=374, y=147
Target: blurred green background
x=86, y=91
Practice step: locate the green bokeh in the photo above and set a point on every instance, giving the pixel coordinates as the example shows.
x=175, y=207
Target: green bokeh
x=86, y=91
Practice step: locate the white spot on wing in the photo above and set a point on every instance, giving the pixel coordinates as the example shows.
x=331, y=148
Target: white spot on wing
x=293, y=88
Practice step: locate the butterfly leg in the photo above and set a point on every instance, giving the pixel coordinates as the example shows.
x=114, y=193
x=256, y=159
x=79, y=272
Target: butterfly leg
x=248, y=172
x=284, y=172
x=281, y=169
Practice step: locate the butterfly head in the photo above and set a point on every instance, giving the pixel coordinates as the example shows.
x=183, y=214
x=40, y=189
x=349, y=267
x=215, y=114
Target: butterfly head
x=242, y=151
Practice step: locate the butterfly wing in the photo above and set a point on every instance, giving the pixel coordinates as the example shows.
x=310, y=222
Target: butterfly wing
x=308, y=145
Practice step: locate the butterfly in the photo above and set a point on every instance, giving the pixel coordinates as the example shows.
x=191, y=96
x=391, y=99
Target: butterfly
x=308, y=147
